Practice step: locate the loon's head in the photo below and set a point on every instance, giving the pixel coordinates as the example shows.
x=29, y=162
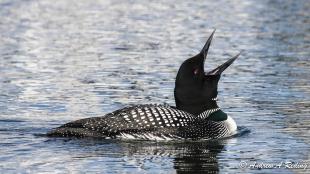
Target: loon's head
x=196, y=90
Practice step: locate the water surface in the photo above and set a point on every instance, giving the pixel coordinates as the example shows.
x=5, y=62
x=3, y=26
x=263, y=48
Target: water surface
x=66, y=60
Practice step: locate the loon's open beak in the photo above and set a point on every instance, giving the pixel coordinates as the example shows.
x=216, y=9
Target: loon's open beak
x=222, y=67
x=205, y=48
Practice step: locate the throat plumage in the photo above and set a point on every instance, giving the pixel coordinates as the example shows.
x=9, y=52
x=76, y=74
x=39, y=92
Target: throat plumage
x=197, y=108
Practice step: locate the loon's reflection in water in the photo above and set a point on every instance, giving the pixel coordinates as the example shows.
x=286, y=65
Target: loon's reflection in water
x=146, y=156
x=199, y=157
x=185, y=157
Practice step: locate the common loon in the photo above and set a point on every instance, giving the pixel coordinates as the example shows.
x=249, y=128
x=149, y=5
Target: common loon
x=196, y=115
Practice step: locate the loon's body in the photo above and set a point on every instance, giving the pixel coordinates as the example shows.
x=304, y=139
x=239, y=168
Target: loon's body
x=152, y=122
x=196, y=115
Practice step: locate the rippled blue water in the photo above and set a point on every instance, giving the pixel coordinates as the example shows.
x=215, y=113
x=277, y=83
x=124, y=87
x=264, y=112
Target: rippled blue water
x=65, y=60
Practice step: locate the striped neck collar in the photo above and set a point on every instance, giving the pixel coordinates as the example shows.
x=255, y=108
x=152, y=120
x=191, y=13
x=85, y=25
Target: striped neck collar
x=208, y=112
x=214, y=99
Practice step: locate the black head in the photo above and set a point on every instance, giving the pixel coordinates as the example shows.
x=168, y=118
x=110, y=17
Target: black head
x=195, y=90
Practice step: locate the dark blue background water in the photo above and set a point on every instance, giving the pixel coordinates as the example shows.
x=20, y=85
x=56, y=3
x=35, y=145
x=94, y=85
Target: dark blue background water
x=65, y=60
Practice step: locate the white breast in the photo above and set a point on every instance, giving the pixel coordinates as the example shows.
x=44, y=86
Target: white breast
x=231, y=125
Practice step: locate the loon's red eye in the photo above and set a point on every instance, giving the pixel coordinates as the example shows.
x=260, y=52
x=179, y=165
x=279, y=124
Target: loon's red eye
x=196, y=71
